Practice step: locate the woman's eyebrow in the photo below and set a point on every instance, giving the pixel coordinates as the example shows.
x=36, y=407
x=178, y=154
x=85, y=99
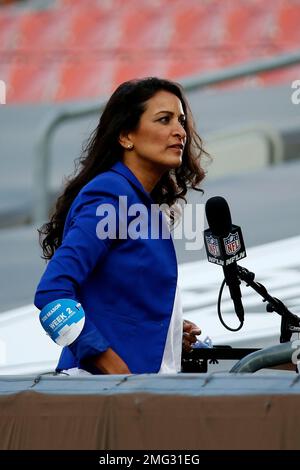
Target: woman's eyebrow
x=170, y=112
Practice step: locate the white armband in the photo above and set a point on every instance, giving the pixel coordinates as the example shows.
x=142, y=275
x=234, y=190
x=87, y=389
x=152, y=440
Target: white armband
x=63, y=320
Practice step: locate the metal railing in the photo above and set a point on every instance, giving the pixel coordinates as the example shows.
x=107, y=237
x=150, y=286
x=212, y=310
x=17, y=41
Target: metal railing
x=268, y=357
x=58, y=117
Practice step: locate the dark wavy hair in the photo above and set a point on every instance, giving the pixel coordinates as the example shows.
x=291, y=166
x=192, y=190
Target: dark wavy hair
x=122, y=114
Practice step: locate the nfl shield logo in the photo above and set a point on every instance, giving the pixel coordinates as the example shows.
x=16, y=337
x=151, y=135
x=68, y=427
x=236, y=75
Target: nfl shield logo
x=232, y=243
x=212, y=245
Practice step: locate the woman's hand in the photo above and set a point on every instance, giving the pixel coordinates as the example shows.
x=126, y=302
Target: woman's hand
x=109, y=362
x=190, y=331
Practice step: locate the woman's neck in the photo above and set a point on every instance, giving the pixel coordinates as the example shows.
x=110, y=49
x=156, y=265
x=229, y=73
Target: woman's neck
x=147, y=176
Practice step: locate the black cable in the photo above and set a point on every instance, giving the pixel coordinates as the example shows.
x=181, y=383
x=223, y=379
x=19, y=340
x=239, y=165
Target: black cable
x=220, y=314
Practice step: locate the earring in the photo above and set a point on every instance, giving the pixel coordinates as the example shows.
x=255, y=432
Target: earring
x=130, y=146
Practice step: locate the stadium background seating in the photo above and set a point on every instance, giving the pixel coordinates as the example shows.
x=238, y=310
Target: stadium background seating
x=69, y=50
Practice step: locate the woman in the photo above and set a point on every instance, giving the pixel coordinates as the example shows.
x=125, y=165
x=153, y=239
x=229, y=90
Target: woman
x=144, y=153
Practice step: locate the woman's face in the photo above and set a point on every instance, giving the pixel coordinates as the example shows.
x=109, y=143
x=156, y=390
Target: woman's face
x=160, y=137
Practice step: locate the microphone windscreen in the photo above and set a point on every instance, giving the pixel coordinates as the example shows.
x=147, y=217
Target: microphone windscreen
x=218, y=216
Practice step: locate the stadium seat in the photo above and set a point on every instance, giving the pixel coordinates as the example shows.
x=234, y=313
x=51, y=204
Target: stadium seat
x=137, y=67
x=249, y=25
x=44, y=31
x=288, y=25
x=32, y=82
x=85, y=79
x=9, y=30
x=146, y=29
x=93, y=29
x=188, y=65
x=197, y=27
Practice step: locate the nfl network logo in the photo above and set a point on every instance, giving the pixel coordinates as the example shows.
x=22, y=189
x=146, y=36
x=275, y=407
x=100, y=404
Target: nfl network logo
x=2, y=92
x=213, y=245
x=232, y=243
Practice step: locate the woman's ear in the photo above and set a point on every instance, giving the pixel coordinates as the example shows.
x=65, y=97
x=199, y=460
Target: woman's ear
x=125, y=141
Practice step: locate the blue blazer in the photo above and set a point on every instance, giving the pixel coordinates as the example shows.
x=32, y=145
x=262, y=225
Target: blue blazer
x=126, y=286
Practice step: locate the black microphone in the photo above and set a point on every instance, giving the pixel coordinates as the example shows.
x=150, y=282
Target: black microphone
x=225, y=246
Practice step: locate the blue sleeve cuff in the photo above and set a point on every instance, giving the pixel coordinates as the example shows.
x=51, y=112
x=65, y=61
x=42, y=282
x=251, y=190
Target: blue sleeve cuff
x=89, y=343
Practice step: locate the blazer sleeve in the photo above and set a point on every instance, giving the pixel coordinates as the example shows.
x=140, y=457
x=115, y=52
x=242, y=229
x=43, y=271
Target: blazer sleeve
x=80, y=251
